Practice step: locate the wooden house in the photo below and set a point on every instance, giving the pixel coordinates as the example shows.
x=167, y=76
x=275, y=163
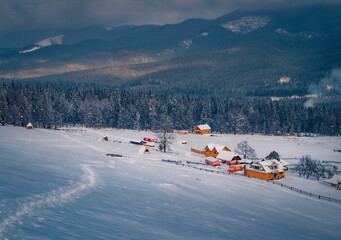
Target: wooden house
x=202, y=129
x=265, y=169
x=228, y=157
x=212, y=161
x=29, y=126
x=183, y=132
x=335, y=181
x=212, y=150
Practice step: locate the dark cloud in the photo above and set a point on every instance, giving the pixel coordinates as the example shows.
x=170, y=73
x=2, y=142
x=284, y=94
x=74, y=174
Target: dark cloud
x=30, y=14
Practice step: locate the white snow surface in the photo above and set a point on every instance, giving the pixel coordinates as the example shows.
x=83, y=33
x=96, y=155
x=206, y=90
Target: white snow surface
x=141, y=197
x=246, y=24
x=56, y=40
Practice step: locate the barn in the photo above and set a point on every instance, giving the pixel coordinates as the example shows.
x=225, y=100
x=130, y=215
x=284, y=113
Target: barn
x=212, y=161
x=265, y=169
x=335, y=181
x=202, y=129
x=228, y=157
x=29, y=126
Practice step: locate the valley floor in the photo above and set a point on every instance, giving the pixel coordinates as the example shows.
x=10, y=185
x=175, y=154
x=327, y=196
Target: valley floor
x=59, y=184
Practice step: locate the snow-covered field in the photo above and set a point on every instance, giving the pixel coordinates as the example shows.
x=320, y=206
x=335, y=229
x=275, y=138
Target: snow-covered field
x=60, y=185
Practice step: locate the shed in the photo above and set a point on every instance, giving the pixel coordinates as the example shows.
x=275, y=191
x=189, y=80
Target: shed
x=335, y=181
x=183, y=132
x=202, y=129
x=228, y=157
x=144, y=150
x=212, y=161
x=149, y=139
x=29, y=126
x=105, y=138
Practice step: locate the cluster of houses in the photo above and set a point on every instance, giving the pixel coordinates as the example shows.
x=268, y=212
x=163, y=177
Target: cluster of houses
x=216, y=155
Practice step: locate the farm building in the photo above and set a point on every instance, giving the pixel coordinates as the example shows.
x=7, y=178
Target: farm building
x=202, y=129
x=335, y=181
x=228, y=157
x=149, y=139
x=212, y=150
x=212, y=161
x=144, y=150
x=265, y=169
x=29, y=126
x=105, y=138
x=235, y=168
x=183, y=132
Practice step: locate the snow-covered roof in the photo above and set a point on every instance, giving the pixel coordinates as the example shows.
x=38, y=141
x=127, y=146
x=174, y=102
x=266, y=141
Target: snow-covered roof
x=211, y=159
x=226, y=155
x=219, y=148
x=267, y=164
x=334, y=180
x=204, y=127
x=284, y=163
x=143, y=149
x=29, y=125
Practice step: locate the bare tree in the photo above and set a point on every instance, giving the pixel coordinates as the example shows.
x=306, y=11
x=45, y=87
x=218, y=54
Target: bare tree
x=165, y=135
x=243, y=148
x=308, y=166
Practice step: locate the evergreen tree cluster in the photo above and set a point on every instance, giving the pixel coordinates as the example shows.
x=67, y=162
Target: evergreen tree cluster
x=50, y=107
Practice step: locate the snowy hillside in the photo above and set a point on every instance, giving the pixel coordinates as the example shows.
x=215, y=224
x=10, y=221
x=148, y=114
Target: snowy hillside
x=61, y=184
x=56, y=40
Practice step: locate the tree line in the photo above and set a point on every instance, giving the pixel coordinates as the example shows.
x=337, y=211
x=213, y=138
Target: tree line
x=50, y=107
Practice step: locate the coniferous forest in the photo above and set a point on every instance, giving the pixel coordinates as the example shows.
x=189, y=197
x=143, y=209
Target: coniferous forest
x=49, y=107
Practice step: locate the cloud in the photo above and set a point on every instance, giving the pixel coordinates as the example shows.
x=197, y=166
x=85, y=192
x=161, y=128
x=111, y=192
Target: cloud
x=32, y=14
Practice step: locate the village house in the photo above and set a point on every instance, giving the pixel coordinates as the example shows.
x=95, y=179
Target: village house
x=202, y=129
x=228, y=157
x=265, y=169
x=212, y=150
x=212, y=161
x=335, y=181
x=29, y=126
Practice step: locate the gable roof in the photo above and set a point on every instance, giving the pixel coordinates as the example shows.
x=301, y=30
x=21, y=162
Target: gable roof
x=334, y=180
x=218, y=147
x=266, y=164
x=204, y=127
x=226, y=155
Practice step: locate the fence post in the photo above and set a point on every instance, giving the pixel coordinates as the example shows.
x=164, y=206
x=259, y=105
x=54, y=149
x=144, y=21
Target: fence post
x=319, y=196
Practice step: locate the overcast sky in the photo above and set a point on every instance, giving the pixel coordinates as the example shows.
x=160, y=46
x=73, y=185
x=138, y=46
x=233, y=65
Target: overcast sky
x=30, y=14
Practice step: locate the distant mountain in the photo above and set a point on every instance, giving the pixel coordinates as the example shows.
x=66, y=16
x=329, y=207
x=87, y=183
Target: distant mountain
x=243, y=53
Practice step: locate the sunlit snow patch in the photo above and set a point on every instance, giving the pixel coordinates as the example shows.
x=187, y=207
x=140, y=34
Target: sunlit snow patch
x=246, y=24
x=56, y=40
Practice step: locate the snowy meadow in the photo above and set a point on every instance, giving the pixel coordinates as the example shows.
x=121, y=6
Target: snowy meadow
x=59, y=184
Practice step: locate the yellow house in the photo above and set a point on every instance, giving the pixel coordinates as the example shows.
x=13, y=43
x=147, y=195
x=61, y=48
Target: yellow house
x=202, y=129
x=265, y=169
x=212, y=150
